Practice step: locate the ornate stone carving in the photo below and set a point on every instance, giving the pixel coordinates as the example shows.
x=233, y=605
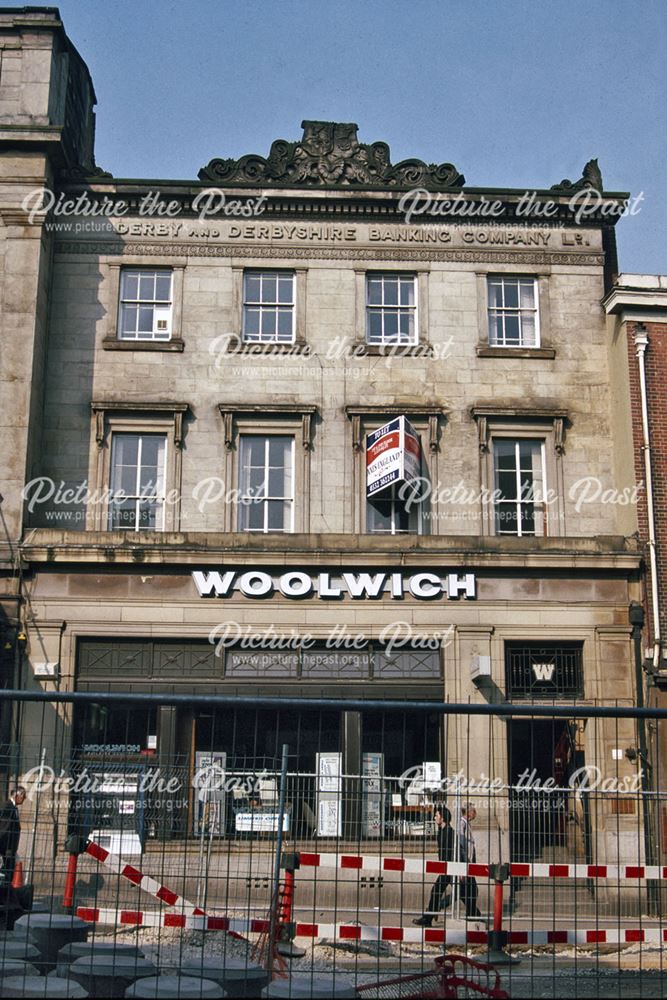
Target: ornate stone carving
x=76, y=173
x=590, y=178
x=329, y=154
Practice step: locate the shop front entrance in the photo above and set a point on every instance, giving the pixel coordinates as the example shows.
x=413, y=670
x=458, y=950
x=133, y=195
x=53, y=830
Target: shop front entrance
x=547, y=811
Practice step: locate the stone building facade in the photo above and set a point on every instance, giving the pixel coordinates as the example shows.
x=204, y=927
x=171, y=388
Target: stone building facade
x=226, y=371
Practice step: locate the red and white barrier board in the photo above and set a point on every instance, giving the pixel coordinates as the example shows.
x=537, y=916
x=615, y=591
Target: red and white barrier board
x=145, y=882
x=422, y=866
x=355, y=932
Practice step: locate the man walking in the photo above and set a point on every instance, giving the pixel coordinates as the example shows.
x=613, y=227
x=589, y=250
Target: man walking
x=468, y=854
x=445, y=839
x=10, y=830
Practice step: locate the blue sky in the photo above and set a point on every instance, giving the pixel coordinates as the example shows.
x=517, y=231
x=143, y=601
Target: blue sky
x=514, y=93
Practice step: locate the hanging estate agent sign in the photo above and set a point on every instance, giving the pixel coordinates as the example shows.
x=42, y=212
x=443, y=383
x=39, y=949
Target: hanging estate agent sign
x=424, y=586
x=393, y=456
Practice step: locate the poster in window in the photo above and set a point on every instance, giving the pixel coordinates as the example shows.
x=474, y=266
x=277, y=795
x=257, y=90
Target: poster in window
x=393, y=456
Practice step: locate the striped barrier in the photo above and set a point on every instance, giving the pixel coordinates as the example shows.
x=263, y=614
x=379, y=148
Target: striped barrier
x=355, y=932
x=420, y=866
x=144, y=882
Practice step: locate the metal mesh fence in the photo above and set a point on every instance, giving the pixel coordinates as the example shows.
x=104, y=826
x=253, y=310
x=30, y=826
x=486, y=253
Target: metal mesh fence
x=250, y=834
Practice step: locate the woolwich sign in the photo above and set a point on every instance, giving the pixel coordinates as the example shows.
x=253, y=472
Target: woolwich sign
x=423, y=586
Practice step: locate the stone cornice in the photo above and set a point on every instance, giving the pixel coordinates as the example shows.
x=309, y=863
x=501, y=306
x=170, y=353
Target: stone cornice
x=50, y=546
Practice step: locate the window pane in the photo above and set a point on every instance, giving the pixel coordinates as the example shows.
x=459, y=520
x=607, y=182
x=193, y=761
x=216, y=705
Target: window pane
x=407, y=292
x=150, y=514
x=251, y=517
x=374, y=288
x=527, y=294
x=528, y=330
x=390, y=325
x=374, y=327
x=252, y=284
x=504, y=452
x=145, y=319
x=252, y=322
x=125, y=449
x=152, y=450
x=278, y=514
x=495, y=294
x=391, y=291
x=163, y=288
x=130, y=286
x=279, y=450
x=527, y=519
x=269, y=291
x=128, y=319
x=495, y=328
x=147, y=286
x=285, y=283
x=407, y=327
x=511, y=294
x=277, y=482
x=506, y=519
x=285, y=323
x=268, y=323
x=253, y=449
x=511, y=329
x=123, y=515
x=506, y=483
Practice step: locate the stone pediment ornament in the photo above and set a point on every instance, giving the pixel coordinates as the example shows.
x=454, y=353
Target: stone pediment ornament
x=330, y=155
x=591, y=177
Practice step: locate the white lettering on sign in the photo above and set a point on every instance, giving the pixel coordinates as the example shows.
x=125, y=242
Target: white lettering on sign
x=424, y=586
x=543, y=671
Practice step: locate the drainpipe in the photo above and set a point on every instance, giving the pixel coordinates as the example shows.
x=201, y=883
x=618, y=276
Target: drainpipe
x=641, y=343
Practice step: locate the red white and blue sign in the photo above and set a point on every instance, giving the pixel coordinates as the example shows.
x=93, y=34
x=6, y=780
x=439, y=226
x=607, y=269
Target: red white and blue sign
x=393, y=456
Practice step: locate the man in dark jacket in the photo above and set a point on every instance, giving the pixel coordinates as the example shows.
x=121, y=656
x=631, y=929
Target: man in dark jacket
x=10, y=830
x=446, y=841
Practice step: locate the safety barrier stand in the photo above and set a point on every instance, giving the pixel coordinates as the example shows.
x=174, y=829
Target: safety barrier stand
x=286, y=928
x=498, y=937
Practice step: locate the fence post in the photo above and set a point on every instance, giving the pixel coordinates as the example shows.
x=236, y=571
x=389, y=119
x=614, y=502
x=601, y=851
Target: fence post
x=286, y=927
x=275, y=902
x=75, y=845
x=498, y=937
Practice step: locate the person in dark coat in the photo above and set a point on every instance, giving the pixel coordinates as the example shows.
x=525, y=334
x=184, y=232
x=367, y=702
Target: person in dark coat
x=10, y=830
x=445, y=838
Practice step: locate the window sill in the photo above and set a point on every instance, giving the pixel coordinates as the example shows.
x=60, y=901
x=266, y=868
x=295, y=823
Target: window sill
x=485, y=351
x=362, y=349
x=113, y=344
x=237, y=346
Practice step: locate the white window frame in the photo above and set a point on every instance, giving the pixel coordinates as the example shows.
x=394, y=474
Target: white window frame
x=138, y=497
x=519, y=503
x=162, y=308
x=244, y=500
x=110, y=418
x=267, y=307
x=383, y=307
x=517, y=311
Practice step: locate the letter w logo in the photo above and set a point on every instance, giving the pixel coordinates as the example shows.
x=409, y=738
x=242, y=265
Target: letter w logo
x=543, y=671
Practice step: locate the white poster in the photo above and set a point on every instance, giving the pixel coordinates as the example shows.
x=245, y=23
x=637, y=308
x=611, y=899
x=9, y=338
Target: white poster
x=329, y=793
x=329, y=818
x=372, y=769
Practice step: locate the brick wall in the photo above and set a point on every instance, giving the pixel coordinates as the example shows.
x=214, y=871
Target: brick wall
x=656, y=378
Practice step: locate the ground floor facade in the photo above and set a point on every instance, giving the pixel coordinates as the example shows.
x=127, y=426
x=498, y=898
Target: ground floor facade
x=484, y=624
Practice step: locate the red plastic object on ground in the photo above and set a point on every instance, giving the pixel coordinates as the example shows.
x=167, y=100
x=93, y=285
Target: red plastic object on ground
x=451, y=973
